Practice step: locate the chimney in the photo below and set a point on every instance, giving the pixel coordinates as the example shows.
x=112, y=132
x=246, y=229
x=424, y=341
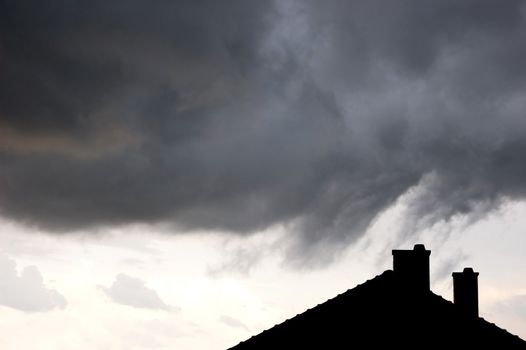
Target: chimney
x=411, y=267
x=465, y=291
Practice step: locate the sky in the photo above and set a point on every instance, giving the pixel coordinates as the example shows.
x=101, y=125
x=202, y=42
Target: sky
x=185, y=174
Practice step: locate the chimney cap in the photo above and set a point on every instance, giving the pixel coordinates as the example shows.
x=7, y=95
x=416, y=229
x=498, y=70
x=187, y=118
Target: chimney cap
x=468, y=271
x=419, y=247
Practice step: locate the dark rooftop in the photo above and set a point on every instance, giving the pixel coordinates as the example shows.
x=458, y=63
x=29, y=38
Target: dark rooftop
x=384, y=311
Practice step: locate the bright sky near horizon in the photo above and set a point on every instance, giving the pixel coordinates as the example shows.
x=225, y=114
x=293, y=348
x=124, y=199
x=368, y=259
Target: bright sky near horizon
x=186, y=292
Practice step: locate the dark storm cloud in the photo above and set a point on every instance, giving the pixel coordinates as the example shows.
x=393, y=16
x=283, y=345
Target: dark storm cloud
x=238, y=115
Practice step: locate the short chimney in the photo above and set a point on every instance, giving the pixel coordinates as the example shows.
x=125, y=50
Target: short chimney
x=411, y=268
x=465, y=291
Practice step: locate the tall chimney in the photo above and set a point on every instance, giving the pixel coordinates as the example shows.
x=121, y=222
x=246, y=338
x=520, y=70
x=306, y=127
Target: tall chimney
x=411, y=268
x=465, y=291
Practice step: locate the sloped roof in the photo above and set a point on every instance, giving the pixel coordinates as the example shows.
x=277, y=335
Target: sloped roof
x=382, y=312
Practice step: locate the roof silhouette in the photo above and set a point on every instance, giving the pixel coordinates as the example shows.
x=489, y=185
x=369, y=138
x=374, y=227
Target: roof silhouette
x=385, y=310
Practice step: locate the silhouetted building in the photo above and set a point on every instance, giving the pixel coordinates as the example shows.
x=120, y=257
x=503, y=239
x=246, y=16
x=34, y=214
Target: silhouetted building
x=397, y=309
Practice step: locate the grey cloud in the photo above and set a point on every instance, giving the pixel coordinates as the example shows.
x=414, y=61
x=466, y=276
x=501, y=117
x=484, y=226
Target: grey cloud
x=131, y=291
x=233, y=322
x=240, y=260
x=26, y=291
x=445, y=267
x=238, y=116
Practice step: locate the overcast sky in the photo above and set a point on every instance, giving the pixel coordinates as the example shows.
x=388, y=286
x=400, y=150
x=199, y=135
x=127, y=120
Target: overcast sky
x=174, y=173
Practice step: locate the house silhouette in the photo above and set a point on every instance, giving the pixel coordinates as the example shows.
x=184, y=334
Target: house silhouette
x=396, y=309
